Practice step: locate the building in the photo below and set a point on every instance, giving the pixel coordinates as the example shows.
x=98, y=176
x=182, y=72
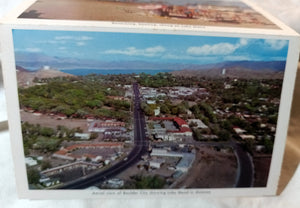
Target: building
x=66, y=153
x=83, y=136
x=30, y=161
x=151, y=102
x=246, y=136
x=119, y=98
x=102, y=126
x=185, y=162
x=156, y=163
x=239, y=130
x=181, y=126
x=51, y=182
x=115, y=183
x=71, y=166
x=157, y=111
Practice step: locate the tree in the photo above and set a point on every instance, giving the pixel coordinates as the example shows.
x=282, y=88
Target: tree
x=164, y=109
x=46, y=165
x=45, y=131
x=149, y=182
x=197, y=134
x=193, y=124
x=93, y=136
x=268, y=145
x=33, y=176
x=224, y=135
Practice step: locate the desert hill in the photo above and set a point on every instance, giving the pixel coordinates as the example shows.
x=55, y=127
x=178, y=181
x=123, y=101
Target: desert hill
x=243, y=69
x=25, y=77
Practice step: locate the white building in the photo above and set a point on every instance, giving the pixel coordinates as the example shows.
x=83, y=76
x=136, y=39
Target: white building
x=156, y=163
x=115, y=183
x=30, y=161
x=185, y=162
x=157, y=111
x=151, y=102
x=83, y=136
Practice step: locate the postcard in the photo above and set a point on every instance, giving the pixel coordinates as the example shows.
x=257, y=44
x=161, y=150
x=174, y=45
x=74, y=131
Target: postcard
x=217, y=13
x=107, y=111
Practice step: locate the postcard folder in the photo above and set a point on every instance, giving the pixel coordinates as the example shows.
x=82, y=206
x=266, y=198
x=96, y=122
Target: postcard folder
x=147, y=98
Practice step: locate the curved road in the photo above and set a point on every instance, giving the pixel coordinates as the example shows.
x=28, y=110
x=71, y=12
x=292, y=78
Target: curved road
x=246, y=172
x=139, y=149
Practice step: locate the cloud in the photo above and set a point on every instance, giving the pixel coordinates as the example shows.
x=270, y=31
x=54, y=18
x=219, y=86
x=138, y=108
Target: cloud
x=276, y=44
x=212, y=50
x=132, y=51
x=81, y=43
x=33, y=50
x=243, y=42
x=77, y=38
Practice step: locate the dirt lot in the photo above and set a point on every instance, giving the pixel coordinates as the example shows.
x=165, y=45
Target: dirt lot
x=211, y=169
x=47, y=121
x=118, y=11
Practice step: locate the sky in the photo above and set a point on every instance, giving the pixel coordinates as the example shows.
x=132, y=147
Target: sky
x=155, y=48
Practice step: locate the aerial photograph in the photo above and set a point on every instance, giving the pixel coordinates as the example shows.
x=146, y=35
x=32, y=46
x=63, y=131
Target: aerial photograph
x=111, y=110
x=220, y=13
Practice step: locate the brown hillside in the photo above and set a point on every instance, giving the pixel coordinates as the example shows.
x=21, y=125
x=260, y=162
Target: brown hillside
x=234, y=72
x=25, y=77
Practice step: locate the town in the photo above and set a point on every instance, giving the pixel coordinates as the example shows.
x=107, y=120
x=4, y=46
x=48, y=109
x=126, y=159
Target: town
x=138, y=131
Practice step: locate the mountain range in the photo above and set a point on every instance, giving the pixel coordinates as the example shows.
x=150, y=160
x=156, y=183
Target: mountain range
x=35, y=61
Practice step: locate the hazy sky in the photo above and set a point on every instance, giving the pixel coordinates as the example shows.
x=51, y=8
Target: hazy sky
x=107, y=46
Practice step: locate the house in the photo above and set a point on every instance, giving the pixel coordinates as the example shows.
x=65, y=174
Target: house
x=151, y=102
x=188, y=112
x=156, y=163
x=157, y=111
x=60, y=116
x=259, y=148
x=102, y=126
x=120, y=98
x=51, y=182
x=239, y=130
x=186, y=159
x=181, y=128
x=70, y=166
x=115, y=183
x=30, y=161
x=83, y=136
x=246, y=136
x=66, y=153
x=37, y=113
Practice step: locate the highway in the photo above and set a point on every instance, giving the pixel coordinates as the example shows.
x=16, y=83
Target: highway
x=139, y=149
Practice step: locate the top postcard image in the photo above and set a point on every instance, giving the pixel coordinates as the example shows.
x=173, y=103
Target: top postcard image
x=220, y=13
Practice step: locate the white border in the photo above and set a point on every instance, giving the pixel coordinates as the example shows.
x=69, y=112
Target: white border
x=10, y=83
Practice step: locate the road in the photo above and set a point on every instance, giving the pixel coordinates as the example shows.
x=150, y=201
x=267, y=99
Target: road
x=245, y=169
x=139, y=149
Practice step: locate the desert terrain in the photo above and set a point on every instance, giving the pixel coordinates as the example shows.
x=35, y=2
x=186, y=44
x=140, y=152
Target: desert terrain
x=95, y=10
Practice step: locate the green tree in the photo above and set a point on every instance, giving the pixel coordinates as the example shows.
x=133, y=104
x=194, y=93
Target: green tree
x=149, y=182
x=33, y=176
x=46, y=165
